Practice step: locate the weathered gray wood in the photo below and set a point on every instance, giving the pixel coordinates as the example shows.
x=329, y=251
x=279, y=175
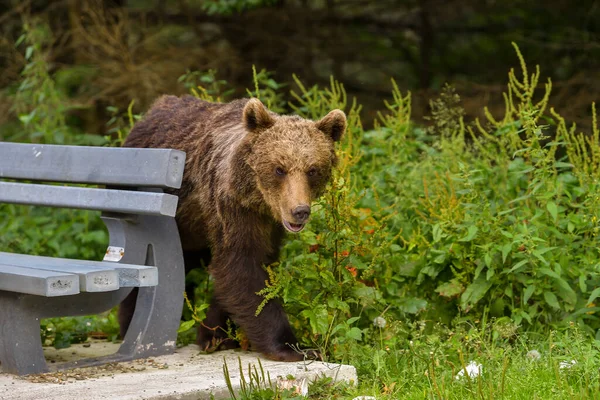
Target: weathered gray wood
x=38, y=282
x=98, y=165
x=91, y=278
x=121, y=201
x=129, y=275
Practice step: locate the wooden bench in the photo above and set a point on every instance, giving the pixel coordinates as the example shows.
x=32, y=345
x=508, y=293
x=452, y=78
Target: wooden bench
x=144, y=249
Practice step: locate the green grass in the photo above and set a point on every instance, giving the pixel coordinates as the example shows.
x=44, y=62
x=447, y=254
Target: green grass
x=429, y=365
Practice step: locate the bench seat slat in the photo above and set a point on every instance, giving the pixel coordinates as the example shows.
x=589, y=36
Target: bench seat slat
x=38, y=282
x=97, y=165
x=129, y=275
x=91, y=279
x=121, y=201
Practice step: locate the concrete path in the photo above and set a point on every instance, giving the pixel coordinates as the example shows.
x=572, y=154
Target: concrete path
x=187, y=374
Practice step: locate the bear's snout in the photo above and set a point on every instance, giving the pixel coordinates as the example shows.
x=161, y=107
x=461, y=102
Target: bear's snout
x=301, y=213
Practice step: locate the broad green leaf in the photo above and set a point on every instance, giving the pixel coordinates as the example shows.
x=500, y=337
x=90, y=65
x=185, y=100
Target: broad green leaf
x=518, y=265
x=437, y=233
x=440, y=259
x=582, y=284
x=487, y=258
x=318, y=319
x=409, y=269
x=506, y=211
x=519, y=199
x=471, y=233
x=478, y=271
x=411, y=305
x=552, y=209
x=525, y=315
x=549, y=272
x=544, y=250
x=354, y=333
x=450, y=289
x=337, y=328
x=497, y=307
x=185, y=325
x=551, y=300
x=594, y=295
x=505, y=250
x=432, y=270
x=20, y=40
x=327, y=277
x=28, y=52
x=527, y=293
x=475, y=291
x=566, y=292
x=367, y=294
x=538, y=254
x=560, y=164
x=337, y=304
x=395, y=248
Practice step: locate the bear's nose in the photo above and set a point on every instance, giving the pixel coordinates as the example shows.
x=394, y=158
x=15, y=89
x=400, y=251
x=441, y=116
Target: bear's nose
x=301, y=213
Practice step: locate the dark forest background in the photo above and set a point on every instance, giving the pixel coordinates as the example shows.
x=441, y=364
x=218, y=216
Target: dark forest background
x=103, y=54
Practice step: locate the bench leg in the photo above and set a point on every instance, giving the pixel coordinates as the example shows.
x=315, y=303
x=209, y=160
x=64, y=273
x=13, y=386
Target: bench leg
x=20, y=345
x=153, y=327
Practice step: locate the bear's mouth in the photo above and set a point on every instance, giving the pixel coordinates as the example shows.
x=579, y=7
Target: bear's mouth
x=294, y=228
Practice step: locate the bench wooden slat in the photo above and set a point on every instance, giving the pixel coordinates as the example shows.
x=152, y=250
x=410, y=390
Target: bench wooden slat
x=91, y=278
x=38, y=282
x=121, y=201
x=97, y=165
x=129, y=275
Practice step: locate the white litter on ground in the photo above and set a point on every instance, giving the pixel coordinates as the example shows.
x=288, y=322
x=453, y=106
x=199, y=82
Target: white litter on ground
x=473, y=370
x=567, y=364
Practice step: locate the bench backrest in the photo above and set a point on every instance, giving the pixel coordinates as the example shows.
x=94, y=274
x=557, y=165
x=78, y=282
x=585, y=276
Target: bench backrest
x=126, y=168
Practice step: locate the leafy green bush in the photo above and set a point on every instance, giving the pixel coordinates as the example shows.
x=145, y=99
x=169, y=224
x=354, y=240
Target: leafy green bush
x=500, y=223
x=456, y=222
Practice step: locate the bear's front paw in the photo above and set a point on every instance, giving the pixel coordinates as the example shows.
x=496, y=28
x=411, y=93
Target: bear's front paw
x=290, y=354
x=213, y=339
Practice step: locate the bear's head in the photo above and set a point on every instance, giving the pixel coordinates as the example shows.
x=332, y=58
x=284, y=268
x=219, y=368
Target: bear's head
x=292, y=159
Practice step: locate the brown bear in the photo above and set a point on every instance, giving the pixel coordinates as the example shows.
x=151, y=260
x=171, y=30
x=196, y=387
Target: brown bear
x=250, y=175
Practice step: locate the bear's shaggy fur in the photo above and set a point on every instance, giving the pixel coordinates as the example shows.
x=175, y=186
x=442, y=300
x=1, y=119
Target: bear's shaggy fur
x=250, y=175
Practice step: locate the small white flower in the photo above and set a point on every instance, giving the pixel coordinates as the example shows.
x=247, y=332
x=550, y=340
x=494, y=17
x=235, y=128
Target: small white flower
x=566, y=364
x=534, y=355
x=473, y=370
x=379, y=322
x=364, y=398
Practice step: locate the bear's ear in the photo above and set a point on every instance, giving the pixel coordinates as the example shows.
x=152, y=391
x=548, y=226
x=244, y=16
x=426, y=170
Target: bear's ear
x=256, y=116
x=333, y=124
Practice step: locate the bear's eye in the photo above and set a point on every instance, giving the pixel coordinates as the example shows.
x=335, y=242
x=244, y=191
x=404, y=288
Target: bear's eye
x=280, y=171
x=312, y=172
